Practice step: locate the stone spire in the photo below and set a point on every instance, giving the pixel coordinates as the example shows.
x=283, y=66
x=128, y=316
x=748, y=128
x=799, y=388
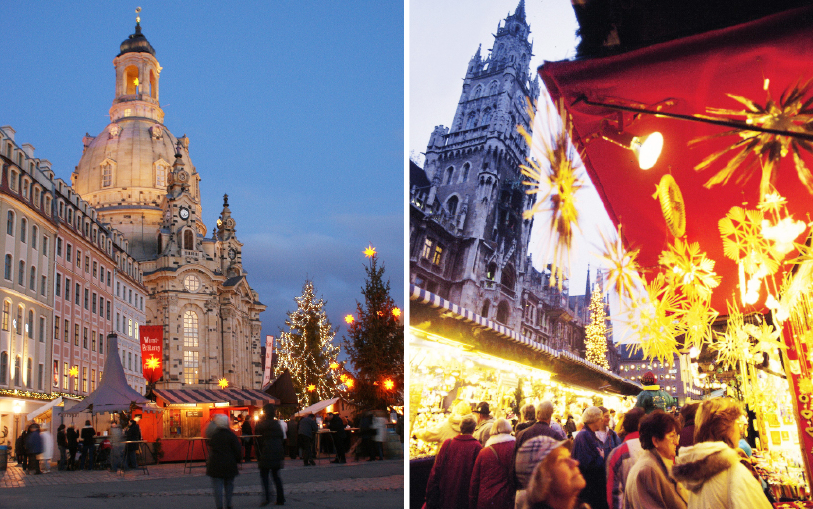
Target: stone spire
x=520, y=11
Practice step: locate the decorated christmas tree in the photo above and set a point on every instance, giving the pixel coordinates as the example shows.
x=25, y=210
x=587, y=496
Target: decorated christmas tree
x=307, y=349
x=375, y=343
x=595, y=334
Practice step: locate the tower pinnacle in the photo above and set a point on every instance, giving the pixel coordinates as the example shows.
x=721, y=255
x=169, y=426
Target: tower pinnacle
x=520, y=11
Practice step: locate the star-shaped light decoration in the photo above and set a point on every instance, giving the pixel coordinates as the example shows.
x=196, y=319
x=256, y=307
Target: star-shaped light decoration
x=556, y=187
x=396, y=312
x=733, y=346
x=223, y=383
x=74, y=371
x=334, y=365
x=343, y=377
x=689, y=270
x=767, y=337
x=623, y=273
x=369, y=252
x=349, y=383
x=698, y=319
x=311, y=388
x=743, y=241
x=791, y=113
x=153, y=362
x=657, y=323
x=349, y=319
x=388, y=384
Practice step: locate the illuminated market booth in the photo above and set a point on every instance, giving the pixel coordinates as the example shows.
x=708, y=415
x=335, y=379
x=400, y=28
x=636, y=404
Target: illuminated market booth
x=719, y=259
x=457, y=355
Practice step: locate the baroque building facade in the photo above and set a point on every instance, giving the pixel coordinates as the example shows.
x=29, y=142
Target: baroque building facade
x=468, y=239
x=140, y=179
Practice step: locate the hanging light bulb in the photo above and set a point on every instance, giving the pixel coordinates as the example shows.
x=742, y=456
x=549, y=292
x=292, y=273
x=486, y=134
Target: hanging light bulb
x=647, y=149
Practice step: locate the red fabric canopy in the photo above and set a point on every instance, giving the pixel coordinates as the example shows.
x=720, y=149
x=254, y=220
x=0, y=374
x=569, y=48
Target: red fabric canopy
x=695, y=72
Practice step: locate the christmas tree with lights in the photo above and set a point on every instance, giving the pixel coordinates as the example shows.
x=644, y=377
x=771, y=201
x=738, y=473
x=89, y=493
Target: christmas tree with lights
x=595, y=334
x=375, y=342
x=307, y=349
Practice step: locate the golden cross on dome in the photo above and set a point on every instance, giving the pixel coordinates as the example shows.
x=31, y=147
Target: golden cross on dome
x=138, y=18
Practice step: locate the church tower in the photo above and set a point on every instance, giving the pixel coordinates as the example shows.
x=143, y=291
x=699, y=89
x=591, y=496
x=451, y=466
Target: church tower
x=140, y=179
x=474, y=172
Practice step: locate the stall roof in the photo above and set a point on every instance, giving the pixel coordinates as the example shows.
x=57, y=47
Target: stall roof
x=686, y=76
x=317, y=407
x=44, y=408
x=234, y=397
x=282, y=387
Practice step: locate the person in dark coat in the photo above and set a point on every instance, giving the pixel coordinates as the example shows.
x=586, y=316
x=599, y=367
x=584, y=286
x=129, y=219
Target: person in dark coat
x=293, y=437
x=62, y=444
x=73, y=445
x=224, y=454
x=367, y=435
x=450, y=478
x=133, y=434
x=247, y=440
x=337, y=430
x=87, y=435
x=307, y=432
x=19, y=446
x=589, y=452
x=33, y=446
x=687, y=414
x=270, y=453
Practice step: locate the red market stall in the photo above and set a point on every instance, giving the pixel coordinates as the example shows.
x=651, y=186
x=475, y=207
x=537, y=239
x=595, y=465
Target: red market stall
x=734, y=110
x=186, y=412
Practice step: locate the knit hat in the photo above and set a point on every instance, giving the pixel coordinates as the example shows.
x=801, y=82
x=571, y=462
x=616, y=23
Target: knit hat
x=591, y=415
x=649, y=378
x=532, y=453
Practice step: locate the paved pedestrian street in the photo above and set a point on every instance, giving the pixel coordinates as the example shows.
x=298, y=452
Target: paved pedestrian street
x=364, y=485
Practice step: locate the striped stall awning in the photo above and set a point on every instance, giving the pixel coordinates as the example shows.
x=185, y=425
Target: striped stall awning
x=234, y=397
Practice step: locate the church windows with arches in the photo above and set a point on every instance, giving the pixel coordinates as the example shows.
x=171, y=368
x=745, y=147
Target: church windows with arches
x=188, y=240
x=191, y=365
x=449, y=174
x=493, y=88
x=160, y=175
x=107, y=175
x=10, y=223
x=472, y=122
x=131, y=80
x=451, y=205
x=486, y=116
x=502, y=312
x=465, y=176
x=190, y=329
x=477, y=92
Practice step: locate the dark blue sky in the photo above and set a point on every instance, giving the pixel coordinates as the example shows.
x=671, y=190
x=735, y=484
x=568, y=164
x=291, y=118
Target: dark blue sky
x=295, y=109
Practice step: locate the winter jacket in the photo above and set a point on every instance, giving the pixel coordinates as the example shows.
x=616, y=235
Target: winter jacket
x=611, y=441
x=337, y=426
x=33, y=442
x=307, y=427
x=224, y=454
x=653, y=398
x=714, y=476
x=61, y=439
x=447, y=430
x=483, y=431
x=450, y=478
x=523, y=425
x=651, y=486
x=589, y=452
x=570, y=427
x=687, y=435
x=492, y=486
x=538, y=429
x=619, y=464
x=293, y=431
x=270, y=449
x=73, y=438
x=88, y=434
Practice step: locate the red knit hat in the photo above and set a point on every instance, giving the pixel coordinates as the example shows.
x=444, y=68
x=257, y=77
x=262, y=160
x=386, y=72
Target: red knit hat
x=649, y=378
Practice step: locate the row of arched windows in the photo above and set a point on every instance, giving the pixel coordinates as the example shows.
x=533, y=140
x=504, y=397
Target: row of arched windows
x=32, y=280
x=502, y=311
x=16, y=375
x=28, y=189
x=474, y=119
x=493, y=88
x=450, y=172
x=20, y=326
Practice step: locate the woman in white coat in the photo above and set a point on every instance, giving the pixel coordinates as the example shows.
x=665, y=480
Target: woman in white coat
x=47, y=449
x=711, y=469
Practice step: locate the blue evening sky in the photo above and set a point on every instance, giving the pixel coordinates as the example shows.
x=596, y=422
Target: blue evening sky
x=295, y=109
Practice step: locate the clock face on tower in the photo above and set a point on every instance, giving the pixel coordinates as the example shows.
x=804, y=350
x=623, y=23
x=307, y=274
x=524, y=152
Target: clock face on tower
x=232, y=253
x=184, y=213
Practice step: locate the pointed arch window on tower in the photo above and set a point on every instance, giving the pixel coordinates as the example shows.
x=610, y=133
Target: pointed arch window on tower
x=508, y=278
x=465, y=176
x=486, y=307
x=493, y=88
x=472, y=122
x=449, y=174
x=502, y=312
x=451, y=205
x=477, y=92
x=486, y=117
x=188, y=240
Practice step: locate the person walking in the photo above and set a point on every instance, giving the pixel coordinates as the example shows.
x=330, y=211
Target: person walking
x=540, y=427
x=246, y=431
x=450, y=477
x=270, y=453
x=293, y=437
x=87, y=435
x=117, y=444
x=711, y=469
x=307, y=432
x=224, y=454
x=367, y=432
x=556, y=481
x=652, y=398
x=338, y=434
x=492, y=486
x=622, y=458
x=22, y=455
x=73, y=446
x=380, y=427
x=33, y=447
x=62, y=445
x=47, y=449
x=485, y=421
x=589, y=452
x=606, y=434
x=650, y=483
x=528, y=413
x=570, y=426
x=133, y=434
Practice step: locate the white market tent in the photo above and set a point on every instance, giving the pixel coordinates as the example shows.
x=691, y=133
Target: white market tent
x=316, y=408
x=113, y=393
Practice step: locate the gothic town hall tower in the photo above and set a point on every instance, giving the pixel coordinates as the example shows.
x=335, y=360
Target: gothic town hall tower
x=141, y=180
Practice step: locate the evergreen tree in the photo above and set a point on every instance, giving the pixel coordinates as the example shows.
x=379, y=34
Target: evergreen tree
x=595, y=333
x=375, y=343
x=307, y=349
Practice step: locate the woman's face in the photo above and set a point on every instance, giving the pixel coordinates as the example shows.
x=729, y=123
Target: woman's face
x=666, y=447
x=566, y=478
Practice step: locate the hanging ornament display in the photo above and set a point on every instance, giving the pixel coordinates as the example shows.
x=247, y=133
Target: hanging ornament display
x=733, y=346
x=753, y=149
x=688, y=270
x=623, y=273
x=656, y=321
x=672, y=206
x=555, y=185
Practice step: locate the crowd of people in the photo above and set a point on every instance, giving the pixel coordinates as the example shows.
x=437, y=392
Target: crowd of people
x=651, y=458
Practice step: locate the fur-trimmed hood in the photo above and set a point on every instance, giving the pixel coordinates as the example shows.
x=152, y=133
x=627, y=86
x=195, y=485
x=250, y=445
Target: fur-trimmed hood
x=698, y=463
x=500, y=438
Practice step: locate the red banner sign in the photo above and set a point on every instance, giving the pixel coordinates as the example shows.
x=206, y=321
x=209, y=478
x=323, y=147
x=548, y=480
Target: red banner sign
x=152, y=351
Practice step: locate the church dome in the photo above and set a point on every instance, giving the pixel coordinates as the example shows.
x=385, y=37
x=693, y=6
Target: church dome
x=136, y=43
